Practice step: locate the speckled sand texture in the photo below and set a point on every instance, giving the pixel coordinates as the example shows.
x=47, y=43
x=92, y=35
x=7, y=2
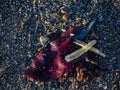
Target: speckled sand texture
x=22, y=22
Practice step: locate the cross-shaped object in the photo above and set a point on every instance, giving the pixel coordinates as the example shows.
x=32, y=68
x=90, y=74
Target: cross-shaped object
x=85, y=48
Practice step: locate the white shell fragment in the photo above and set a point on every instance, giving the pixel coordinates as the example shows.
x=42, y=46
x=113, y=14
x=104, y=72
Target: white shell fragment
x=63, y=30
x=95, y=50
x=80, y=52
x=71, y=34
x=43, y=40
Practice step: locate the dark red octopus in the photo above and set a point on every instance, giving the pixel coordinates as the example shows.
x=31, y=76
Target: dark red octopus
x=49, y=65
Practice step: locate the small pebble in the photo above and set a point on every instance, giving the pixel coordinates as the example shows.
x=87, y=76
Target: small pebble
x=64, y=17
x=78, y=19
x=117, y=73
x=63, y=10
x=63, y=30
x=1, y=70
x=105, y=87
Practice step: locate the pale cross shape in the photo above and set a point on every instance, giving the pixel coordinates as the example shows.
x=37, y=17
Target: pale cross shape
x=84, y=49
